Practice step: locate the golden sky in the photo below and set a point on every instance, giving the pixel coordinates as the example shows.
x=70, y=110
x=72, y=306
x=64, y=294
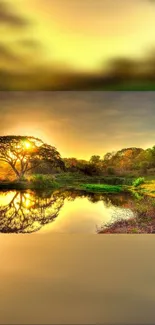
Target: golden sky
x=81, y=123
x=84, y=34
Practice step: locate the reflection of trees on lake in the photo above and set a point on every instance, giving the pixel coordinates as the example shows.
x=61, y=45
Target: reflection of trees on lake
x=25, y=212
x=28, y=211
x=118, y=200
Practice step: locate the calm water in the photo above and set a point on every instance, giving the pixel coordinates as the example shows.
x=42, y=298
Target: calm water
x=78, y=279
x=60, y=211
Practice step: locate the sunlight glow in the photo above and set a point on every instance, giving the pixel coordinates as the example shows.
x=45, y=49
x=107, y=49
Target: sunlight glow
x=6, y=198
x=27, y=200
x=27, y=145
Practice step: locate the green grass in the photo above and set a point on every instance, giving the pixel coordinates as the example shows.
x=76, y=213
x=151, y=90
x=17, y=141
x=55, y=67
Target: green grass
x=102, y=188
x=109, y=184
x=138, y=181
x=70, y=178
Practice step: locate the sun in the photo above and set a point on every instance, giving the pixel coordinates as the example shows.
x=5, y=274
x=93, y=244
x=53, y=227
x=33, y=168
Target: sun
x=27, y=145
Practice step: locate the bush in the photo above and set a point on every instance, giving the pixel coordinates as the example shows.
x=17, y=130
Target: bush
x=138, y=181
x=117, y=180
x=111, y=171
x=42, y=181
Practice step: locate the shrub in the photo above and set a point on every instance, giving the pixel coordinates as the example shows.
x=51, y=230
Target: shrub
x=138, y=181
x=42, y=181
x=110, y=171
x=115, y=180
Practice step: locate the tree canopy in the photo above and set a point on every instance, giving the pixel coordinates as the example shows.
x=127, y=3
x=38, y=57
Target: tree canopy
x=24, y=153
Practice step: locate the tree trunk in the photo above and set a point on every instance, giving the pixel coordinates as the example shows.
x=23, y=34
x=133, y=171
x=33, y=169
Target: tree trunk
x=21, y=176
x=14, y=169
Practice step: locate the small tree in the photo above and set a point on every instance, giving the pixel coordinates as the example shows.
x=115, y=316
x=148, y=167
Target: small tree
x=95, y=159
x=24, y=153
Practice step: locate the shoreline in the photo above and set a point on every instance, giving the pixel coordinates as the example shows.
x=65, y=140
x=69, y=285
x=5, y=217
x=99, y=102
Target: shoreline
x=142, y=190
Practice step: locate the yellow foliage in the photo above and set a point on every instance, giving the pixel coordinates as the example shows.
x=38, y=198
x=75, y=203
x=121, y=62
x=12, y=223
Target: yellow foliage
x=6, y=172
x=149, y=188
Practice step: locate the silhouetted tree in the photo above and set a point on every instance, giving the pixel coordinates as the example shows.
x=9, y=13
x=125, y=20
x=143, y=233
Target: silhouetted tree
x=95, y=159
x=25, y=153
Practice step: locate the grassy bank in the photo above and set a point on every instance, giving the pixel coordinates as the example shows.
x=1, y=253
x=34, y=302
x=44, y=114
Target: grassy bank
x=104, y=188
x=34, y=182
x=21, y=185
x=69, y=180
x=142, y=223
x=146, y=189
x=104, y=184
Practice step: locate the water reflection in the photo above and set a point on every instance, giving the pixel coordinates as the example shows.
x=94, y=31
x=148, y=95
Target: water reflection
x=72, y=211
x=25, y=212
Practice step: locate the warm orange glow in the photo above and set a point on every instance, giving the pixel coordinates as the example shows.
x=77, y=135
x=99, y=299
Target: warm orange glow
x=11, y=155
x=6, y=198
x=80, y=124
x=27, y=145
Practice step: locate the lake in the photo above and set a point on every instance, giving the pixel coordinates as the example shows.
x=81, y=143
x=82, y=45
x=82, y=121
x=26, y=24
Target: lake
x=61, y=278
x=60, y=211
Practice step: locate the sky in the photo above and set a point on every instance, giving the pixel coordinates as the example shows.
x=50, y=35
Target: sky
x=81, y=124
x=80, y=34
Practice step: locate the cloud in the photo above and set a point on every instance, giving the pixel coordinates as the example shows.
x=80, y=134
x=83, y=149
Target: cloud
x=82, y=123
x=8, y=17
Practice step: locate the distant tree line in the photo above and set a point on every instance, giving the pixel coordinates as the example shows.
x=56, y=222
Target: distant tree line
x=126, y=161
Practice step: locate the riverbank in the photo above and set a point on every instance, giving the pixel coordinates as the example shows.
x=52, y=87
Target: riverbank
x=103, y=188
x=68, y=180
x=144, y=210
x=104, y=184
x=91, y=188
x=143, y=223
x=141, y=200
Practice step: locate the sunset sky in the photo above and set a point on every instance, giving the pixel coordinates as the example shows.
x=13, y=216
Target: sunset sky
x=82, y=34
x=81, y=124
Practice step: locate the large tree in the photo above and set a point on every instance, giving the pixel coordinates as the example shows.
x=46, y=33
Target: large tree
x=24, y=153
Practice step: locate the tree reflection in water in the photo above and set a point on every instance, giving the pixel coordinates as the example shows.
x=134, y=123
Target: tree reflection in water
x=117, y=200
x=27, y=212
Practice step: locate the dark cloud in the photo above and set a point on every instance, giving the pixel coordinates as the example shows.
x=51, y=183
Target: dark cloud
x=8, y=17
